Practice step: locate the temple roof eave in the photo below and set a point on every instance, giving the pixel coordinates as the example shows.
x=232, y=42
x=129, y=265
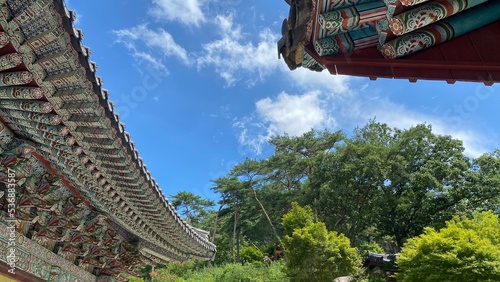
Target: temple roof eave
x=91, y=168
x=410, y=39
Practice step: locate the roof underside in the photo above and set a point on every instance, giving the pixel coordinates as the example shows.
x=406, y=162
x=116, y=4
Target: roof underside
x=52, y=102
x=467, y=57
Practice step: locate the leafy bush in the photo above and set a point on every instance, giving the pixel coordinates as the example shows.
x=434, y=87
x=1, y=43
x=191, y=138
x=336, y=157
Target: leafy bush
x=370, y=247
x=135, y=279
x=314, y=253
x=181, y=269
x=464, y=250
x=164, y=275
x=227, y=273
x=298, y=217
x=250, y=254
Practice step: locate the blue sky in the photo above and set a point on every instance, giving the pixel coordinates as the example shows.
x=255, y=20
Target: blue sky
x=199, y=86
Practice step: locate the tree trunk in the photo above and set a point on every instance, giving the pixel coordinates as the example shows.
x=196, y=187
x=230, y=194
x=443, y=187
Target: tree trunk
x=235, y=237
x=238, y=259
x=267, y=216
x=216, y=219
x=188, y=214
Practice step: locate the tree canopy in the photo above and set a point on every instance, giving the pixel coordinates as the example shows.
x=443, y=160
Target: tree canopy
x=377, y=187
x=314, y=253
x=191, y=206
x=465, y=250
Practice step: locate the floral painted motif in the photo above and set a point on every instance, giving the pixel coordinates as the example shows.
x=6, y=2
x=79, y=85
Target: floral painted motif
x=10, y=61
x=418, y=40
x=396, y=26
x=388, y=51
x=427, y=14
x=15, y=78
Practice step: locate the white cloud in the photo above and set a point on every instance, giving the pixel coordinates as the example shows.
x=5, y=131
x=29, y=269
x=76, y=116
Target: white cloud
x=342, y=104
x=252, y=135
x=233, y=56
x=293, y=114
x=188, y=12
x=151, y=46
x=327, y=101
x=399, y=116
x=306, y=79
x=153, y=62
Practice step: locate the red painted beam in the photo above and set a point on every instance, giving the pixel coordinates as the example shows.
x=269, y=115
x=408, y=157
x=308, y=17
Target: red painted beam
x=467, y=58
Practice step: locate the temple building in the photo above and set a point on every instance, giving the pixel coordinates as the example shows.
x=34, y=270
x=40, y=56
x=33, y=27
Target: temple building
x=78, y=202
x=450, y=40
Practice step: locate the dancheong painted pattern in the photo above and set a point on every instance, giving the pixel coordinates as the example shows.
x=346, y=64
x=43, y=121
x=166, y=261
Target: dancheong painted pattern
x=415, y=39
x=86, y=207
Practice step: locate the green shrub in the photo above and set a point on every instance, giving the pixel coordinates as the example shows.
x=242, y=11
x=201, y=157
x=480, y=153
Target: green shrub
x=313, y=252
x=135, y=279
x=250, y=254
x=464, y=250
x=370, y=247
x=230, y=273
x=164, y=275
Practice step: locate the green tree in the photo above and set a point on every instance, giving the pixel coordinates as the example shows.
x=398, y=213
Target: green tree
x=381, y=185
x=425, y=182
x=250, y=254
x=349, y=181
x=314, y=253
x=250, y=171
x=236, y=215
x=465, y=250
x=191, y=206
x=390, y=182
x=296, y=161
x=298, y=217
x=484, y=183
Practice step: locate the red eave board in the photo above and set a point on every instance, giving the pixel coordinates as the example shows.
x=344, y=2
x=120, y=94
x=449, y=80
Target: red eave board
x=471, y=57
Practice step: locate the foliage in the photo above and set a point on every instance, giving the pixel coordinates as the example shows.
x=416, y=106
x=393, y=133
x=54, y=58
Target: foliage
x=484, y=184
x=386, y=181
x=464, y=250
x=250, y=254
x=164, y=275
x=191, y=206
x=314, y=253
x=298, y=217
x=145, y=272
x=180, y=269
x=135, y=279
x=378, y=184
x=370, y=247
x=229, y=273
